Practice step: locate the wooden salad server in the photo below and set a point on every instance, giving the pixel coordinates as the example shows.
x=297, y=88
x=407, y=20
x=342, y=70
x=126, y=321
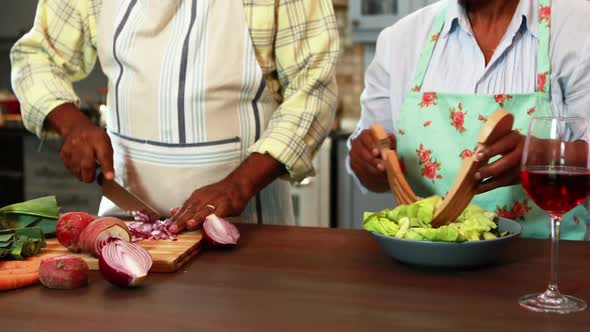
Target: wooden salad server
x=400, y=188
x=463, y=189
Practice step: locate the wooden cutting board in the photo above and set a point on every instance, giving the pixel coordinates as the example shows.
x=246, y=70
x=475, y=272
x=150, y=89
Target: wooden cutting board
x=168, y=256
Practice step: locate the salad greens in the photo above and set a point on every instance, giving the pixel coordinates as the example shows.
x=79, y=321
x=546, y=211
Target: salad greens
x=413, y=222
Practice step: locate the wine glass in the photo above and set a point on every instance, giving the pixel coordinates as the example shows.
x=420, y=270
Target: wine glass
x=555, y=174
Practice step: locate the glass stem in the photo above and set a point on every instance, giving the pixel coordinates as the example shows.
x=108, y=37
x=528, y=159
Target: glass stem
x=555, y=223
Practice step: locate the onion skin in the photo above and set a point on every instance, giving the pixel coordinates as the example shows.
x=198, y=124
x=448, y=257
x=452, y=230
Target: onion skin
x=233, y=234
x=63, y=272
x=120, y=275
x=69, y=227
x=114, y=227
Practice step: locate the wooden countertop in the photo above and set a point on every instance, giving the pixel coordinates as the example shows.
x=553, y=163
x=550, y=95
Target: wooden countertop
x=306, y=279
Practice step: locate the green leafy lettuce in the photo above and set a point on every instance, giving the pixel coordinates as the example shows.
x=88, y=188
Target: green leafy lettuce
x=413, y=222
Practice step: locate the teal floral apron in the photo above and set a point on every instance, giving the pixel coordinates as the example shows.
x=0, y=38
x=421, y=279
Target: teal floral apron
x=437, y=130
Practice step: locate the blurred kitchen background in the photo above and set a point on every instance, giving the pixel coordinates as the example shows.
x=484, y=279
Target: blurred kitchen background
x=29, y=169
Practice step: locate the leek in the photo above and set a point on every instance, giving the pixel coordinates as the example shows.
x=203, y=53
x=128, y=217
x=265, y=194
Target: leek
x=21, y=242
x=41, y=213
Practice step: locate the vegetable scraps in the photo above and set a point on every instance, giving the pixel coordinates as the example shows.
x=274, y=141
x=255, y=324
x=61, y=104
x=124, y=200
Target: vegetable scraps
x=217, y=232
x=42, y=213
x=413, y=222
x=145, y=228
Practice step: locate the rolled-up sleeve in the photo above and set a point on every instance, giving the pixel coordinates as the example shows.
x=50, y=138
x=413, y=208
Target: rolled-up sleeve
x=306, y=50
x=59, y=49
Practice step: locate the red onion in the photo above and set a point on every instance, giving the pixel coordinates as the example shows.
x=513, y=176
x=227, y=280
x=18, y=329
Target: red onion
x=108, y=235
x=101, y=231
x=124, y=263
x=145, y=228
x=218, y=232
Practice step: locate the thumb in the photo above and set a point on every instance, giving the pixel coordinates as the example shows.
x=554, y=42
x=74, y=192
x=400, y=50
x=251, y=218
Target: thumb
x=105, y=157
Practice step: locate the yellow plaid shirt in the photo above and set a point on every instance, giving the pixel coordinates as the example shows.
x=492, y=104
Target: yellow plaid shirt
x=296, y=44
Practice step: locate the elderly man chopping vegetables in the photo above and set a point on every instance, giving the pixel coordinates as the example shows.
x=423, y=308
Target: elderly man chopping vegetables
x=208, y=101
x=439, y=73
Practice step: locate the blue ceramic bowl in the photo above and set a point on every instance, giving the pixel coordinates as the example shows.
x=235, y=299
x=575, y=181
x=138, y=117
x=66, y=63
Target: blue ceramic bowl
x=449, y=254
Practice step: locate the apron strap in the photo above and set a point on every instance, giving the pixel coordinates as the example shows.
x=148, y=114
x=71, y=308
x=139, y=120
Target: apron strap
x=543, y=85
x=428, y=49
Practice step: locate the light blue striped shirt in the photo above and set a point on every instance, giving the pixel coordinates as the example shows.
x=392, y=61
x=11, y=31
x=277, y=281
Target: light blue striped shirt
x=458, y=64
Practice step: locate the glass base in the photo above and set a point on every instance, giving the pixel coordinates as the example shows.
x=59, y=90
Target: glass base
x=552, y=303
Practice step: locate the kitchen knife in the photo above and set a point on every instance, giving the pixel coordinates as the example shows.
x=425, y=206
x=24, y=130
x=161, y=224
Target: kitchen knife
x=124, y=199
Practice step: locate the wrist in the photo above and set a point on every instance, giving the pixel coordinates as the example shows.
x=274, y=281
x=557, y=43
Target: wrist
x=66, y=118
x=255, y=173
x=245, y=188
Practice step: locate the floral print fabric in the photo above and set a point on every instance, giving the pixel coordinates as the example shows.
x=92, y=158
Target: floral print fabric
x=437, y=132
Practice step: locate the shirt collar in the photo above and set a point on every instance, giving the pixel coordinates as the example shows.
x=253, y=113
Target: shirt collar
x=456, y=16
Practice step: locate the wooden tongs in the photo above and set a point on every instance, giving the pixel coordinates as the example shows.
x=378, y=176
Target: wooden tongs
x=400, y=188
x=463, y=188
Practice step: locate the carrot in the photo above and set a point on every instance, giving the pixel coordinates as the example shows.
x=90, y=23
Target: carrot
x=14, y=281
x=16, y=274
x=22, y=270
x=26, y=263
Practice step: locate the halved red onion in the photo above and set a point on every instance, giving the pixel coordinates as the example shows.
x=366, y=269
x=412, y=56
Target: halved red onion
x=108, y=235
x=124, y=263
x=218, y=232
x=103, y=229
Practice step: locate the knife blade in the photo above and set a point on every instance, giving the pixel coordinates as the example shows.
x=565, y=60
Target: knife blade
x=123, y=198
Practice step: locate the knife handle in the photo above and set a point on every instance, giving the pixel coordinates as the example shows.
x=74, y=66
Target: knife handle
x=99, y=176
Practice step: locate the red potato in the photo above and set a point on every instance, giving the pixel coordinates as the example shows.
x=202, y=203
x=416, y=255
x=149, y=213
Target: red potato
x=100, y=232
x=63, y=272
x=69, y=227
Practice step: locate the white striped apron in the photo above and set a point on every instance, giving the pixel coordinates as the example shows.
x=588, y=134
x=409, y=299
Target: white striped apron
x=186, y=99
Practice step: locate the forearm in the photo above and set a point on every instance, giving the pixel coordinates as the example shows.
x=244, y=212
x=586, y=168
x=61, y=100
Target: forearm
x=59, y=49
x=256, y=172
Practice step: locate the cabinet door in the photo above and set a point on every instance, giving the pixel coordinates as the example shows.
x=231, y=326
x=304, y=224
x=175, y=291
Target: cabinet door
x=45, y=175
x=377, y=14
x=350, y=202
x=18, y=18
x=369, y=17
x=11, y=168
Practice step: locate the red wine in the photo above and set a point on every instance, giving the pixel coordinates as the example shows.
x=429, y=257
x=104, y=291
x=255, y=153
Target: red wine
x=556, y=189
